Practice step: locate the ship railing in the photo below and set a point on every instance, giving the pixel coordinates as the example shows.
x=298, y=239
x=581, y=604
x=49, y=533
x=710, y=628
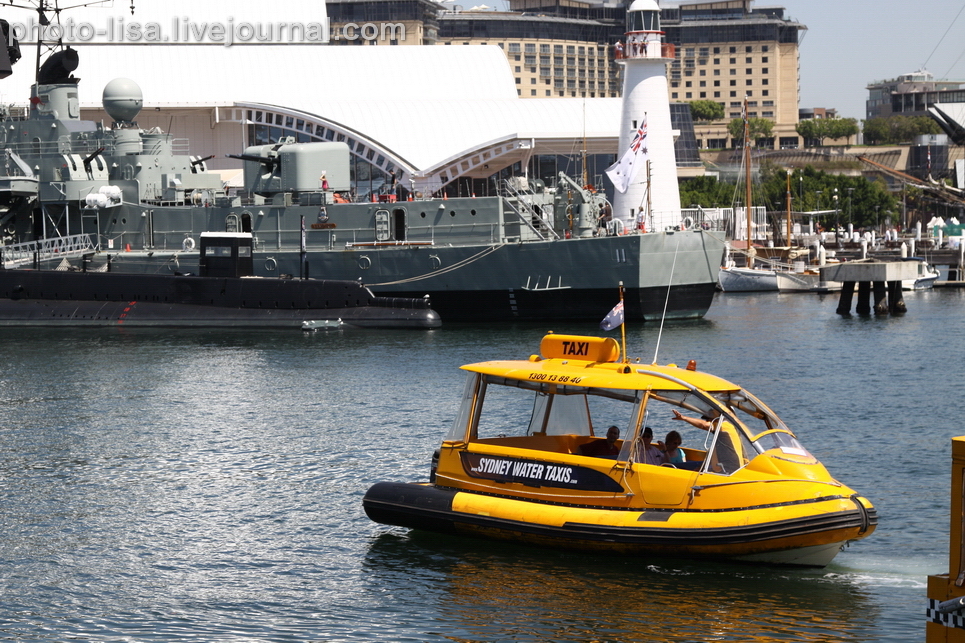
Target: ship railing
x=18, y=255
x=58, y=148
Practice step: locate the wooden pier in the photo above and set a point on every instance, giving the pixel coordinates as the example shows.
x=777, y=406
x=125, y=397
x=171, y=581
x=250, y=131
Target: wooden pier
x=879, y=278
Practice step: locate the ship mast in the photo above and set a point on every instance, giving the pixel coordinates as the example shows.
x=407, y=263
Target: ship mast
x=747, y=178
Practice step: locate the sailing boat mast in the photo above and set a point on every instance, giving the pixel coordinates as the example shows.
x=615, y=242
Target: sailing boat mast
x=789, y=209
x=747, y=176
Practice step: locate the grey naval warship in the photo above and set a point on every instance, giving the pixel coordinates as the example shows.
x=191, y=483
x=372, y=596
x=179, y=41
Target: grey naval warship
x=79, y=195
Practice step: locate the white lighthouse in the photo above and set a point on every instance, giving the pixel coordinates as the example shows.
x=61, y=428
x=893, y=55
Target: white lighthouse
x=652, y=197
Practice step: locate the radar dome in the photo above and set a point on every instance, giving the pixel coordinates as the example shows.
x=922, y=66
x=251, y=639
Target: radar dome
x=123, y=100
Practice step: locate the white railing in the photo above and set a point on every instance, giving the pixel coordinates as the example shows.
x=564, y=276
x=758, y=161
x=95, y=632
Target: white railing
x=21, y=254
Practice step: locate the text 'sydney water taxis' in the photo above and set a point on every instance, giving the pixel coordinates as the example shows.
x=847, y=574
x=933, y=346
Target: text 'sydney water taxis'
x=517, y=465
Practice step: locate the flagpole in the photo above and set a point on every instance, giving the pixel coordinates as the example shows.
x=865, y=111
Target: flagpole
x=623, y=327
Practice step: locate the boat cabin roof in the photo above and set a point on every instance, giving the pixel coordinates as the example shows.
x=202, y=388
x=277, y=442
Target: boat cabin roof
x=594, y=362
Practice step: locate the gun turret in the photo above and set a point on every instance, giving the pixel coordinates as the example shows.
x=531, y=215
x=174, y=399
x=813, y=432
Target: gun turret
x=270, y=162
x=197, y=162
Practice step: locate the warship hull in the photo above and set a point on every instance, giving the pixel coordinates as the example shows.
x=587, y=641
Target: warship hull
x=665, y=274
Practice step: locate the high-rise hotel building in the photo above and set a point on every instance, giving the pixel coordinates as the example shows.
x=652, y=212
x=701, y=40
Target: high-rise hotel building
x=725, y=51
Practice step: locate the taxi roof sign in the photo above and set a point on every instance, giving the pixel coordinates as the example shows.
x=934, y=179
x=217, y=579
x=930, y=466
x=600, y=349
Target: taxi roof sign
x=590, y=349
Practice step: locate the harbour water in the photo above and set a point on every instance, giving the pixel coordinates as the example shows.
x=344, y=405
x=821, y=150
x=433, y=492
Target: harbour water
x=167, y=485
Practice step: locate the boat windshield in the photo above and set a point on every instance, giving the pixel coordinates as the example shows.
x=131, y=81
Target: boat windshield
x=765, y=429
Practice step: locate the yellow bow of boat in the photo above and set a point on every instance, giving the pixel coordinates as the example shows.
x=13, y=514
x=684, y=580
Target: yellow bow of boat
x=529, y=458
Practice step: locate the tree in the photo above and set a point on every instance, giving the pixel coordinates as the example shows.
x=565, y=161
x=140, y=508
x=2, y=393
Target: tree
x=821, y=128
x=706, y=110
x=759, y=128
x=897, y=129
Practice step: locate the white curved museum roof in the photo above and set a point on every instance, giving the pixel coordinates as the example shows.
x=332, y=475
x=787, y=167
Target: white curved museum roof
x=427, y=105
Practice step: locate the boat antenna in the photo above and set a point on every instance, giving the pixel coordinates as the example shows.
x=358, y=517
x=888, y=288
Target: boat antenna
x=663, y=317
x=623, y=328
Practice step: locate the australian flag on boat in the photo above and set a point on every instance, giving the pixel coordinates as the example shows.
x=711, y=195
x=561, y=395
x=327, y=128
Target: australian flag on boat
x=614, y=318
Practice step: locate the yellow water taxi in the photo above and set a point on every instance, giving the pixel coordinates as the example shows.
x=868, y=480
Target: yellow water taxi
x=557, y=450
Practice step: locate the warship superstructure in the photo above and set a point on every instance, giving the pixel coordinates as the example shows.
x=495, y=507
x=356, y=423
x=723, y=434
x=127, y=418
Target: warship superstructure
x=85, y=193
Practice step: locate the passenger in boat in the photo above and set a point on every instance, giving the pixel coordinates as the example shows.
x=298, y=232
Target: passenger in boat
x=726, y=458
x=603, y=448
x=672, y=453
x=649, y=453
x=700, y=423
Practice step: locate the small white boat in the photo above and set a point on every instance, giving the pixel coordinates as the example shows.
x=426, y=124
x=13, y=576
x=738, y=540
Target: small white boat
x=739, y=279
x=321, y=324
x=809, y=281
x=927, y=276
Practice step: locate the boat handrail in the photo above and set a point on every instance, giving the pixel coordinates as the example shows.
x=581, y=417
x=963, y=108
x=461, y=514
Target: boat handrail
x=733, y=482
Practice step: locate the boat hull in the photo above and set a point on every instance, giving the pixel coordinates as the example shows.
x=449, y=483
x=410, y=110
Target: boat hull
x=51, y=298
x=671, y=274
x=811, y=538
x=747, y=280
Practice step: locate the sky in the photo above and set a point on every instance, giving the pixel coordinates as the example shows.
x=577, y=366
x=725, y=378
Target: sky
x=851, y=43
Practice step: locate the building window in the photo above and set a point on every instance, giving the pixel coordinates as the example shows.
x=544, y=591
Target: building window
x=558, y=49
x=733, y=94
x=716, y=61
x=749, y=82
x=514, y=47
x=764, y=82
x=764, y=71
x=703, y=94
x=571, y=50
x=716, y=50
x=716, y=72
x=673, y=95
x=733, y=50
x=530, y=48
x=733, y=72
x=764, y=60
x=748, y=71
x=688, y=95
x=748, y=49
x=748, y=60
x=764, y=48
x=767, y=114
x=518, y=81
x=544, y=49
x=716, y=94
x=675, y=83
x=765, y=93
x=733, y=83
x=703, y=83
x=733, y=61
x=703, y=72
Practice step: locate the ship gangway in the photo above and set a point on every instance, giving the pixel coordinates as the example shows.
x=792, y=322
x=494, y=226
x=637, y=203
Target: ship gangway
x=19, y=255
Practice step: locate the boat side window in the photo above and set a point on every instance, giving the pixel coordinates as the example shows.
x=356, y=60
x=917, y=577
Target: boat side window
x=217, y=251
x=503, y=407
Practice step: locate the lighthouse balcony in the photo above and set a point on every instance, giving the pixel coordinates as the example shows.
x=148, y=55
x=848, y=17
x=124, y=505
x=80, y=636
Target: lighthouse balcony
x=653, y=49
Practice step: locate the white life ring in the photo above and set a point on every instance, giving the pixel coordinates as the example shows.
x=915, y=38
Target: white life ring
x=687, y=224
x=188, y=244
x=270, y=264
